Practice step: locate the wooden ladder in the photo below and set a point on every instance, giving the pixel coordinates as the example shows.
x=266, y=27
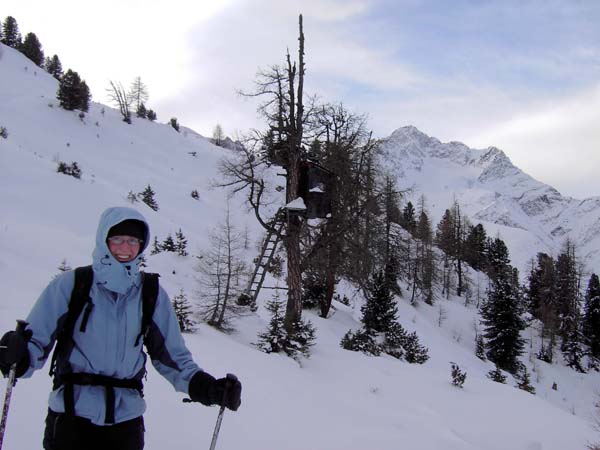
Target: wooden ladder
x=268, y=249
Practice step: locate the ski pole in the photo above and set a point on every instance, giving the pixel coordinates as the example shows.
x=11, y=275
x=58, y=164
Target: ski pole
x=12, y=375
x=231, y=379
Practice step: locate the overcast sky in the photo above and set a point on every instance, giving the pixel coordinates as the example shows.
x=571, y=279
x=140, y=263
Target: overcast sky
x=520, y=75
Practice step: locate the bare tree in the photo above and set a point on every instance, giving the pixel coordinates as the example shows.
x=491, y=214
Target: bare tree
x=221, y=276
x=283, y=109
x=116, y=93
x=218, y=135
x=138, y=93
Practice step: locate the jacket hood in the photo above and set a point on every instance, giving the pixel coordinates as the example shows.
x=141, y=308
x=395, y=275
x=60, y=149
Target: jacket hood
x=108, y=271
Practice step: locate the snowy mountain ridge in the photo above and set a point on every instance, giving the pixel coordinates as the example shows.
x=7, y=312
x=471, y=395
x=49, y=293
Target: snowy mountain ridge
x=491, y=189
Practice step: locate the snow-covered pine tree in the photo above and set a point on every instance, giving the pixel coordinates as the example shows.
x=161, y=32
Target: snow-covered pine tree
x=168, y=245
x=380, y=310
x=497, y=375
x=458, y=376
x=415, y=353
x=156, y=247
x=363, y=340
x=181, y=243
x=273, y=340
x=147, y=196
x=480, y=347
x=501, y=317
x=183, y=311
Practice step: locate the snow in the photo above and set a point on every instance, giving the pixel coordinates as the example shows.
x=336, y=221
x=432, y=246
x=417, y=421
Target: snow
x=337, y=399
x=296, y=205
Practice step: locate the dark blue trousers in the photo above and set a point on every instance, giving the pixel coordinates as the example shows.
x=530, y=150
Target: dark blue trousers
x=76, y=433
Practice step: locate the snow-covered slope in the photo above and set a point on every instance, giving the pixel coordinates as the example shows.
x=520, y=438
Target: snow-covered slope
x=531, y=216
x=336, y=399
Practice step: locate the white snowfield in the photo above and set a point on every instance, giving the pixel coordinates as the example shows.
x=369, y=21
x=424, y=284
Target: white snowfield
x=337, y=399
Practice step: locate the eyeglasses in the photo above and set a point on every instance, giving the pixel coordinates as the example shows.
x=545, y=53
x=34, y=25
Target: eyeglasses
x=119, y=240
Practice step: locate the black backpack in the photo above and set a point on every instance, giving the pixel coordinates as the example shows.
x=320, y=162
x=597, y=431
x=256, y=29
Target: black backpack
x=80, y=302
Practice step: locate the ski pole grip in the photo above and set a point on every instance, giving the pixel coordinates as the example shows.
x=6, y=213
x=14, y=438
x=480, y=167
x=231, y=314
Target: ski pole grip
x=21, y=325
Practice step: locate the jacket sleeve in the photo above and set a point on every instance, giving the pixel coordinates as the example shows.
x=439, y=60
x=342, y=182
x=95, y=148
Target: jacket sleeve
x=166, y=347
x=45, y=318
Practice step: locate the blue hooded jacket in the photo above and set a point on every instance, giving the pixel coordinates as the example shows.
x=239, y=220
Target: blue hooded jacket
x=108, y=345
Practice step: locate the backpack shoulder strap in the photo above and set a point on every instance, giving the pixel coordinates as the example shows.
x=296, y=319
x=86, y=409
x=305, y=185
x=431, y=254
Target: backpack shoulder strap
x=80, y=296
x=149, y=296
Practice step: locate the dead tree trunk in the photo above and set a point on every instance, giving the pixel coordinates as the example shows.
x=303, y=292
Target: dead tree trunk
x=292, y=240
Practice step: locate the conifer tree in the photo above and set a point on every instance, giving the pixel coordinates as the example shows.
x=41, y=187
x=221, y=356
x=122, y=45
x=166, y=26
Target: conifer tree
x=10, y=32
x=181, y=243
x=380, y=310
x=147, y=196
x=444, y=237
x=525, y=381
x=501, y=316
x=168, y=244
x=591, y=324
x=274, y=339
x=84, y=96
x=497, y=375
x=498, y=260
x=409, y=222
x=183, y=311
x=173, y=122
x=458, y=376
x=426, y=258
x=141, y=111
x=54, y=67
x=568, y=306
x=151, y=115
x=32, y=48
x=156, y=247
x=480, y=347
x=475, y=247
x=415, y=353
x=73, y=93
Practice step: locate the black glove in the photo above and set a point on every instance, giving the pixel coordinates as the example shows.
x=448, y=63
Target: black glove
x=13, y=349
x=204, y=388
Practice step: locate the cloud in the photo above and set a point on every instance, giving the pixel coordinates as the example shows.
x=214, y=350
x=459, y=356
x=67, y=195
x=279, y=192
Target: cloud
x=518, y=75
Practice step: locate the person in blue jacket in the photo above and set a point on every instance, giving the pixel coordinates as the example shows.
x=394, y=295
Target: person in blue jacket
x=102, y=406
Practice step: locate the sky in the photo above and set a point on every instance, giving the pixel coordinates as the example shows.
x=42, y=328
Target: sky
x=521, y=75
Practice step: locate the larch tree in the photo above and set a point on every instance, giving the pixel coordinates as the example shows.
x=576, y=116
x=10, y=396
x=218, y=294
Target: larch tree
x=138, y=94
